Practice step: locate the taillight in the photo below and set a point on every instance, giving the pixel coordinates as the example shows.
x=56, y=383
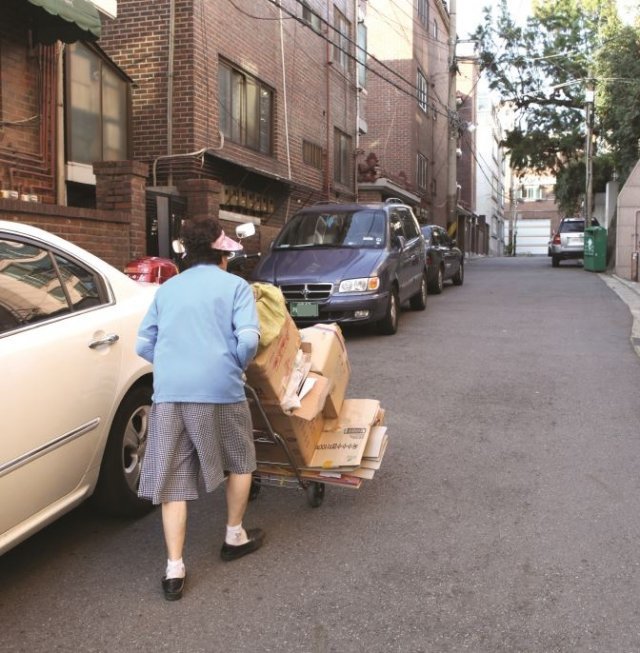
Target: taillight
x=556, y=239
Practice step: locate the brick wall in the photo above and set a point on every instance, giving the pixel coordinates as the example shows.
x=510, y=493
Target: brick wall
x=27, y=104
x=318, y=99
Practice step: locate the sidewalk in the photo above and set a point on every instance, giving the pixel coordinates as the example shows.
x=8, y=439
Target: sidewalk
x=629, y=293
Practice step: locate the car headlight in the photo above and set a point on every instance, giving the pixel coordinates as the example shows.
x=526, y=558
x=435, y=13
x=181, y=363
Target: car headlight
x=366, y=284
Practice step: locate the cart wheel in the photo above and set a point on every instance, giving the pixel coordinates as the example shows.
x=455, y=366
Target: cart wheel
x=256, y=484
x=315, y=494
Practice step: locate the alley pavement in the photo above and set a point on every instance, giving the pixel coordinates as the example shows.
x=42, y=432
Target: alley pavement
x=629, y=292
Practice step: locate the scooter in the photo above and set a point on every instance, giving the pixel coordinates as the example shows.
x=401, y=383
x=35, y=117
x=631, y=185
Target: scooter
x=156, y=269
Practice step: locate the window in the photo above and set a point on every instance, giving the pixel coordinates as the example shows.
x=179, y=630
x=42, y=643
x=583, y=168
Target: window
x=97, y=115
x=310, y=17
x=409, y=224
x=422, y=170
x=423, y=11
x=342, y=160
x=312, y=154
x=246, y=109
x=341, y=39
x=423, y=92
x=36, y=285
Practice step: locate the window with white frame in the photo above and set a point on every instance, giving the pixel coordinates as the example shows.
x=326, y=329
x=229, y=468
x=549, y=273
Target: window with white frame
x=341, y=39
x=422, y=171
x=97, y=108
x=423, y=11
x=246, y=108
x=342, y=158
x=423, y=91
x=311, y=17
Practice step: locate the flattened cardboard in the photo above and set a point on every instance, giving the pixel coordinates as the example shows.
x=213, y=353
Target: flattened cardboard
x=377, y=440
x=343, y=440
x=269, y=372
x=329, y=358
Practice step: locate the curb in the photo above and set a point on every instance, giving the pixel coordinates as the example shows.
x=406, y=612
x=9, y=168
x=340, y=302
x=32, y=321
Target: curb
x=629, y=293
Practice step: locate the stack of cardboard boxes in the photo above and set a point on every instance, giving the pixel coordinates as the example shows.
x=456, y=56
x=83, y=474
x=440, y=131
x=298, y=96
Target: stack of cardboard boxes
x=301, y=380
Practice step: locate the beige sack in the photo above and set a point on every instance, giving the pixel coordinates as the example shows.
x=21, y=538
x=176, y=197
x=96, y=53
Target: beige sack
x=272, y=311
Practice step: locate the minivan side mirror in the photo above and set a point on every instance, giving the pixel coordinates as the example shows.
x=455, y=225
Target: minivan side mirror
x=399, y=241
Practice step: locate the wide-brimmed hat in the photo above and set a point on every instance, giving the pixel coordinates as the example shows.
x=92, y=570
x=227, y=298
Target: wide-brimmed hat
x=225, y=244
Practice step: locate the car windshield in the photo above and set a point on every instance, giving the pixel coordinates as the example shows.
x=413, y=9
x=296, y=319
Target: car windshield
x=361, y=228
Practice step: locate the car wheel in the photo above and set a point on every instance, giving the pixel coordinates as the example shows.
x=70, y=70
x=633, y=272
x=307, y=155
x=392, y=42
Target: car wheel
x=555, y=261
x=388, y=325
x=117, y=489
x=458, y=277
x=438, y=283
x=419, y=301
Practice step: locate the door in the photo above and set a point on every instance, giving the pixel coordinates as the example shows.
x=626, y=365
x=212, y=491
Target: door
x=414, y=257
x=57, y=384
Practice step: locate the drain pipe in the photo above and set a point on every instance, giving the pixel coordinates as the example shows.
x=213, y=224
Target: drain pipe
x=172, y=35
x=285, y=108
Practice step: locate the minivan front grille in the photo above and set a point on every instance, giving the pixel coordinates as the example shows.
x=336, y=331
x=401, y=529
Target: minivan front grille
x=307, y=292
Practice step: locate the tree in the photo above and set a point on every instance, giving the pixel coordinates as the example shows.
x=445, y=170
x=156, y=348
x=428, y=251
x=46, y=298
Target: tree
x=541, y=70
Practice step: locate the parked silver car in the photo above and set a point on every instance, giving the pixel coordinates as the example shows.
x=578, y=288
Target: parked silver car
x=568, y=241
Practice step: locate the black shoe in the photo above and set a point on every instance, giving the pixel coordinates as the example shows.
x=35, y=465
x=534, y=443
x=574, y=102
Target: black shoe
x=172, y=588
x=231, y=552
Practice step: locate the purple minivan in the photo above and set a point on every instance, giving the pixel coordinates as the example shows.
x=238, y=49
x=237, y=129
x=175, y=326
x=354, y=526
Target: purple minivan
x=349, y=263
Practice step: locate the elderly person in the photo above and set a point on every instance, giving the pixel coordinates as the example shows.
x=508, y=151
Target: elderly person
x=200, y=333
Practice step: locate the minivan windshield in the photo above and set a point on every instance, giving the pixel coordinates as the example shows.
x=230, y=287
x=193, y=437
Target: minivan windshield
x=361, y=228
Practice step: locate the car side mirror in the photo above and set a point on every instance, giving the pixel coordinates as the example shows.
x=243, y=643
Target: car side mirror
x=245, y=230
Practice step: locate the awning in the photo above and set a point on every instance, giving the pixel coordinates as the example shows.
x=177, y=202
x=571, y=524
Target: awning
x=65, y=20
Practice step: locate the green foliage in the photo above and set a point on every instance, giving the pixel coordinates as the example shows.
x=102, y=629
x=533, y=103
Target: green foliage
x=541, y=71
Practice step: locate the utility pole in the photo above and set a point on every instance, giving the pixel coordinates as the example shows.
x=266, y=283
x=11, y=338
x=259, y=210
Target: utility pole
x=452, y=165
x=588, y=151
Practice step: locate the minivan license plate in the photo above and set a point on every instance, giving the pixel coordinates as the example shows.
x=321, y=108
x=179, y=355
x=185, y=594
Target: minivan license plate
x=303, y=309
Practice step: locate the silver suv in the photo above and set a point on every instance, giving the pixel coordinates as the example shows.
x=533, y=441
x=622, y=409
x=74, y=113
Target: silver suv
x=568, y=241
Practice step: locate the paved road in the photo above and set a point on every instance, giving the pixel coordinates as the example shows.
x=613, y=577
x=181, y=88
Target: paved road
x=505, y=516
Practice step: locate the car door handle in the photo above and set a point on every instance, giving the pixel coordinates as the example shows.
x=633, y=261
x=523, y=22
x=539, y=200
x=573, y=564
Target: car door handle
x=111, y=339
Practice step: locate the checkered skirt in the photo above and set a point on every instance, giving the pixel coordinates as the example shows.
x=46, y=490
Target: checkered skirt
x=189, y=441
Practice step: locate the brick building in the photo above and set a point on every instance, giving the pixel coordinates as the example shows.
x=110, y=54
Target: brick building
x=62, y=110
x=405, y=146
x=245, y=109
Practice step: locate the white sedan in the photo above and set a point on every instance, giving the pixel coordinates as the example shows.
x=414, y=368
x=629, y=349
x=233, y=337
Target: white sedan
x=74, y=395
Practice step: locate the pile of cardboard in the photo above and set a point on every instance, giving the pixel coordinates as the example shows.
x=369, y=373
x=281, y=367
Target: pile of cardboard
x=301, y=379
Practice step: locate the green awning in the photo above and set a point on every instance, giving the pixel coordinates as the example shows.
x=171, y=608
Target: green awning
x=66, y=20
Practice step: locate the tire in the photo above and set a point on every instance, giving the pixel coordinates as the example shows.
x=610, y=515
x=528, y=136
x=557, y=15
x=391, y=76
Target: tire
x=458, y=277
x=419, y=301
x=117, y=489
x=438, y=283
x=555, y=261
x=388, y=325
x=315, y=494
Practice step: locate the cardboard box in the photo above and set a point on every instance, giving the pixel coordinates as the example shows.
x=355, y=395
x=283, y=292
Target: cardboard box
x=301, y=428
x=343, y=440
x=329, y=358
x=269, y=372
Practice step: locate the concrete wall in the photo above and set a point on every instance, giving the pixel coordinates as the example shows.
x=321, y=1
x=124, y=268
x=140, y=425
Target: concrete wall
x=628, y=225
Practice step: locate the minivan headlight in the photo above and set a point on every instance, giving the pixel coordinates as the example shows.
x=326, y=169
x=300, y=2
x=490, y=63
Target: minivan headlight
x=366, y=284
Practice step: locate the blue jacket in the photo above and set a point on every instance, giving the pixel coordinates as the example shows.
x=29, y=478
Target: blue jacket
x=200, y=333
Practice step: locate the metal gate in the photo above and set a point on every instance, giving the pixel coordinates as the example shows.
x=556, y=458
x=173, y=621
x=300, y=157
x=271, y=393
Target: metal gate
x=165, y=212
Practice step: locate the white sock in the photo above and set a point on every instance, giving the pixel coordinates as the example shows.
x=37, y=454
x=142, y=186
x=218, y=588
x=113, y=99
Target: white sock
x=175, y=569
x=236, y=535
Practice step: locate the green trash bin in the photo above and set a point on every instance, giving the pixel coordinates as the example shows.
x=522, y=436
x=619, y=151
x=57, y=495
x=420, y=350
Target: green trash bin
x=595, y=249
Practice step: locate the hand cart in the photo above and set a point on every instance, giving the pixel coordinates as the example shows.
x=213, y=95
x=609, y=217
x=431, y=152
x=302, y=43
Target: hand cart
x=285, y=474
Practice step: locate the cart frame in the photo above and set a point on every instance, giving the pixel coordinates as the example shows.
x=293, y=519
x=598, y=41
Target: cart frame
x=314, y=489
